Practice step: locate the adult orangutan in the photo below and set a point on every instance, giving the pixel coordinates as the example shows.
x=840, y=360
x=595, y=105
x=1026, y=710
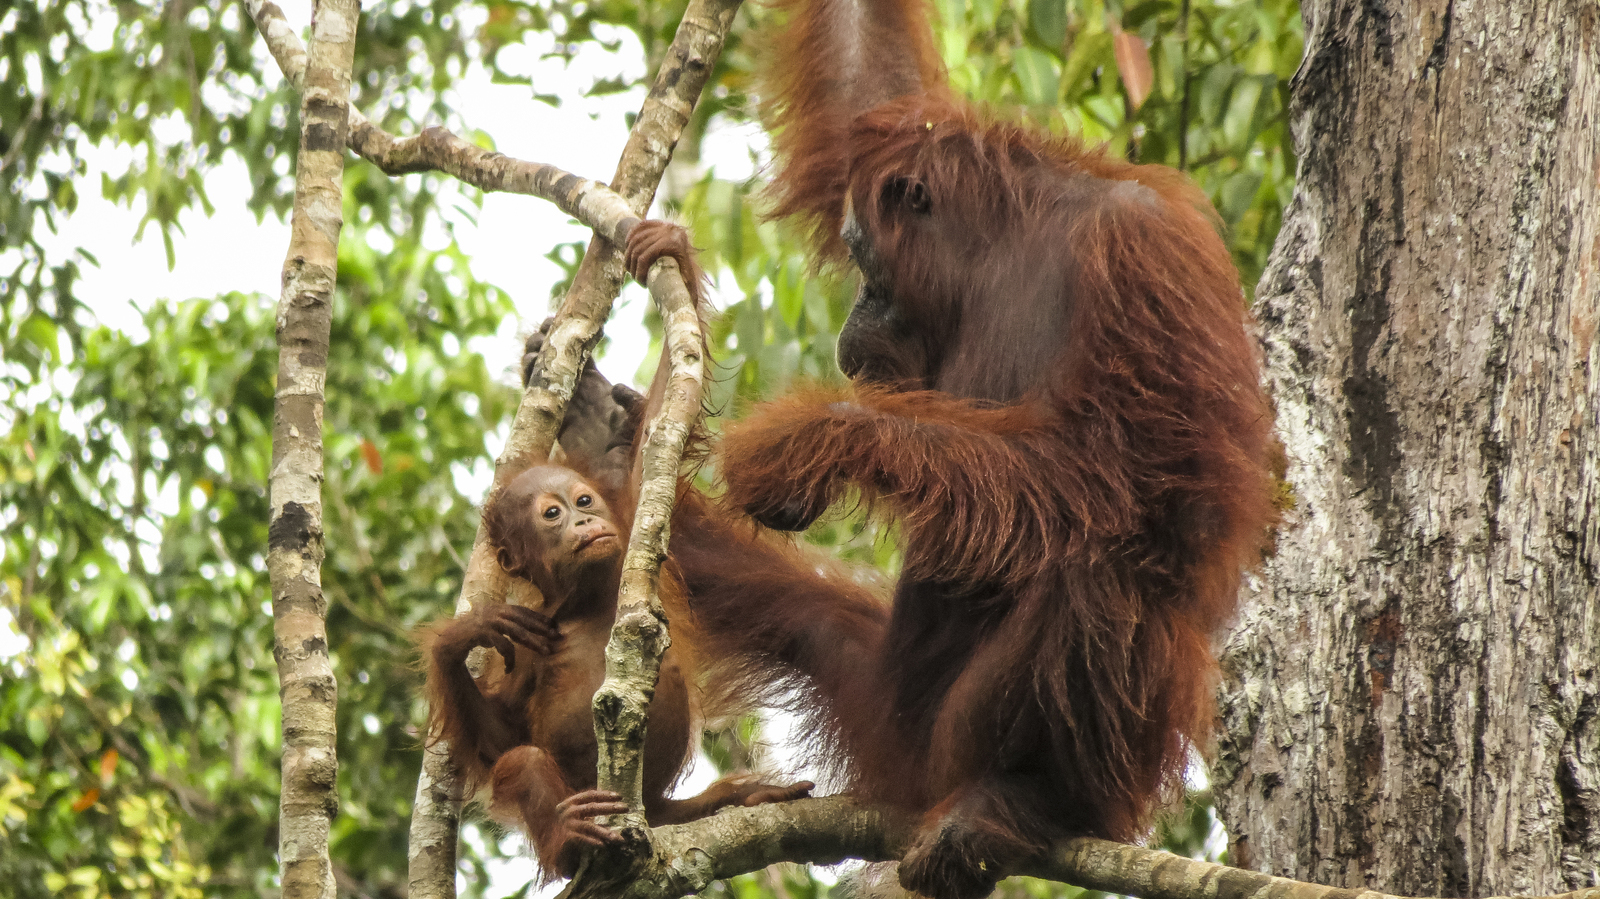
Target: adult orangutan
x=1056, y=400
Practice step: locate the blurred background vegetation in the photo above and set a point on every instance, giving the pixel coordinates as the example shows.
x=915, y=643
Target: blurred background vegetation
x=138, y=699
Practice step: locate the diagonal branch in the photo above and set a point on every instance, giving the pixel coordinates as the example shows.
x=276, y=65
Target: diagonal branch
x=690, y=61
x=437, y=149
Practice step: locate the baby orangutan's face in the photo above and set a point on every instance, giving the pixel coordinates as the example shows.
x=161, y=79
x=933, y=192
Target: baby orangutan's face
x=574, y=524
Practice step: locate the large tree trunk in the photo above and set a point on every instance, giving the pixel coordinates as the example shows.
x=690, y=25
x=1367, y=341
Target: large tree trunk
x=1411, y=698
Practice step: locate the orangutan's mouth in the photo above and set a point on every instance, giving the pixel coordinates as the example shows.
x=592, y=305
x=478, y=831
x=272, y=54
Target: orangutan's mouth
x=589, y=541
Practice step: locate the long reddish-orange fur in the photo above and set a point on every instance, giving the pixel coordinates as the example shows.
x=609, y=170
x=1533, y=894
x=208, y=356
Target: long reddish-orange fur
x=524, y=729
x=1067, y=425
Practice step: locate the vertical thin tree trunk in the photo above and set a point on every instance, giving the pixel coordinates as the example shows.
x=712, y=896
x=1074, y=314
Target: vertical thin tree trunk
x=1412, y=699
x=295, y=537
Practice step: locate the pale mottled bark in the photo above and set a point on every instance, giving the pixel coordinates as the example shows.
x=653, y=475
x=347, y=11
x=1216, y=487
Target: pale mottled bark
x=1151, y=874
x=1412, y=700
x=685, y=859
x=295, y=536
x=436, y=149
x=682, y=77
x=690, y=61
x=639, y=637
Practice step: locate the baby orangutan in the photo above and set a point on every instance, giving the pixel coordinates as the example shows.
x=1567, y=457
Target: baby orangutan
x=525, y=727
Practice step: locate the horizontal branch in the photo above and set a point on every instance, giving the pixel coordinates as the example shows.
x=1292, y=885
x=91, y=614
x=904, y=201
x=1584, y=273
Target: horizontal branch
x=437, y=149
x=1153, y=874
x=686, y=858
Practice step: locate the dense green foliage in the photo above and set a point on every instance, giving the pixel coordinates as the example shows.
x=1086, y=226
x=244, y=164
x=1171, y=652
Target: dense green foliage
x=138, y=710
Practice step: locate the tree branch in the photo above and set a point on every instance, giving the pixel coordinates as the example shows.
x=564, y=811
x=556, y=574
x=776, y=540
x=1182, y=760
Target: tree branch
x=437, y=149
x=686, y=858
x=1153, y=874
x=639, y=636
x=295, y=533
x=690, y=61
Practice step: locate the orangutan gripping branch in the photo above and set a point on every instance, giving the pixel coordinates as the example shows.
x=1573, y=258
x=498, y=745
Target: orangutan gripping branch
x=525, y=729
x=1056, y=400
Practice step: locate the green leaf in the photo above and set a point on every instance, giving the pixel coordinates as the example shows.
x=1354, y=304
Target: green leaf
x=1037, y=76
x=1237, y=194
x=1048, y=18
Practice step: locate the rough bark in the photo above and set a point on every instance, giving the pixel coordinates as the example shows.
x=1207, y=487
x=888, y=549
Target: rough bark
x=1411, y=697
x=639, y=637
x=437, y=149
x=690, y=61
x=687, y=858
x=295, y=537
